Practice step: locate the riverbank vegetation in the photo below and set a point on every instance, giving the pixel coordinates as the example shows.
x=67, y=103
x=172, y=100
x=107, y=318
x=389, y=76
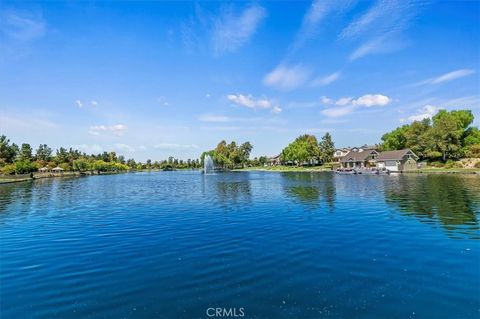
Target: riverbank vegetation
x=24, y=160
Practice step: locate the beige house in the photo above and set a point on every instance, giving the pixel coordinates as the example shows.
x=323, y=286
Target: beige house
x=359, y=159
x=397, y=161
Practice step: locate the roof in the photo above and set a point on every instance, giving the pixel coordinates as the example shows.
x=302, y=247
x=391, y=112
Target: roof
x=356, y=156
x=395, y=155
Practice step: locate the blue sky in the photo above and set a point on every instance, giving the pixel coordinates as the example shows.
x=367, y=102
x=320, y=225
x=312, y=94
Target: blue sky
x=153, y=79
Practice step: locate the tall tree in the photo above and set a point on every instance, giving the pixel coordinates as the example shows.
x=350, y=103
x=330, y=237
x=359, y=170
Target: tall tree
x=25, y=152
x=327, y=148
x=43, y=153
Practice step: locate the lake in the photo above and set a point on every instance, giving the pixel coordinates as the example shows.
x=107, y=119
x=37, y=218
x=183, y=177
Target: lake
x=275, y=245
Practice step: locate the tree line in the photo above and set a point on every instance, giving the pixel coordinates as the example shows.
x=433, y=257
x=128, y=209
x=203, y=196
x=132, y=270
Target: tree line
x=23, y=159
x=449, y=135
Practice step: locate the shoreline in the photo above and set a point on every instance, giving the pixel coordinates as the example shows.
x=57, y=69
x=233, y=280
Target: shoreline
x=277, y=169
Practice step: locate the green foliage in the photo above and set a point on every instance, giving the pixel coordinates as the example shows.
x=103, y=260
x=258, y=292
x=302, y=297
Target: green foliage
x=25, y=167
x=8, y=169
x=304, y=149
x=7, y=152
x=327, y=148
x=25, y=152
x=447, y=136
x=229, y=155
x=43, y=153
x=395, y=140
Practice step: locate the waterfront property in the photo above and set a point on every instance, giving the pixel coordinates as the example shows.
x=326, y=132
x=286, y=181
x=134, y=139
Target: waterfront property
x=357, y=159
x=397, y=161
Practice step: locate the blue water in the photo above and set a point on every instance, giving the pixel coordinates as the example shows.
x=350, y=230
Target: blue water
x=278, y=245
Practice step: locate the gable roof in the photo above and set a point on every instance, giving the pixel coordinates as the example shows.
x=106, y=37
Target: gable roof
x=395, y=155
x=353, y=156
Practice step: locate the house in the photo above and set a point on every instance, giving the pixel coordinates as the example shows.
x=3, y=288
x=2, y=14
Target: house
x=359, y=159
x=339, y=153
x=274, y=161
x=397, y=161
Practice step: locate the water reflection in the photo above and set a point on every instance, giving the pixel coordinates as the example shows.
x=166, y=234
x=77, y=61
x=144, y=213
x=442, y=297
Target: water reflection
x=310, y=189
x=450, y=201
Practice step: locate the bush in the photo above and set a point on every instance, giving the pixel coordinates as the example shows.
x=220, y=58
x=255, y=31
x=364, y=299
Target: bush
x=477, y=165
x=9, y=169
x=25, y=167
x=437, y=164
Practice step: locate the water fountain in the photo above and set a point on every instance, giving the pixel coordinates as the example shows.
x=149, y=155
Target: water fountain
x=208, y=167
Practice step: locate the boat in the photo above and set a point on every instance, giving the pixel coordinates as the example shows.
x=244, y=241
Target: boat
x=345, y=171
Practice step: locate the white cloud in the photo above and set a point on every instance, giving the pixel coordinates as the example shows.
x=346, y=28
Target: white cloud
x=207, y=95
x=322, y=81
x=286, y=77
x=425, y=112
x=116, y=130
x=276, y=110
x=349, y=104
x=343, y=101
x=366, y=100
x=21, y=27
x=326, y=100
x=79, y=103
x=174, y=146
x=338, y=111
x=251, y=102
x=214, y=118
x=457, y=74
x=369, y=100
x=94, y=103
x=231, y=31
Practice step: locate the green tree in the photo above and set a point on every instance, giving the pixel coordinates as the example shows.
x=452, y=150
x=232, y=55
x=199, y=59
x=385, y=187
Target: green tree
x=43, y=153
x=395, y=140
x=303, y=149
x=327, y=148
x=7, y=152
x=25, y=152
x=418, y=138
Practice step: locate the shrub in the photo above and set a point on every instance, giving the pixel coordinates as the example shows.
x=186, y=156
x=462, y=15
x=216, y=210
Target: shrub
x=25, y=167
x=9, y=169
x=477, y=165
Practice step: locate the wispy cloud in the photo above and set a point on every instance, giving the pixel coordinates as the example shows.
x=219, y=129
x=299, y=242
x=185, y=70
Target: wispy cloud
x=450, y=76
x=117, y=130
x=79, y=103
x=231, y=31
x=316, y=13
x=21, y=26
x=251, y=102
x=287, y=77
x=380, y=27
x=221, y=33
x=325, y=80
x=214, y=118
x=338, y=111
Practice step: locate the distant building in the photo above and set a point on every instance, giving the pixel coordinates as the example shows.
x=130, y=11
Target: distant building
x=274, y=161
x=397, y=161
x=359, y=159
